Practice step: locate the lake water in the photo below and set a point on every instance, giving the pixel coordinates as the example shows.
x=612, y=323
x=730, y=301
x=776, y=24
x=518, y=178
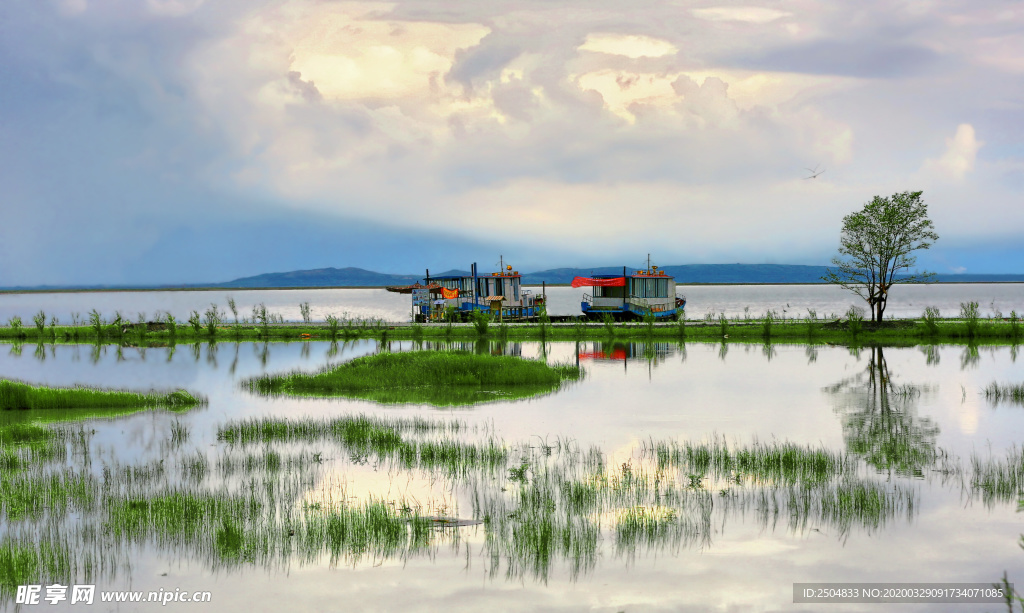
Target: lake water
x=734, y=300
x=887, y=407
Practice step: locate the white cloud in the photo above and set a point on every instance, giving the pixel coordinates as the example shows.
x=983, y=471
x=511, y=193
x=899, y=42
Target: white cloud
x=958, y=160
x=748, y=14
x=627, y=45
x=351, y=57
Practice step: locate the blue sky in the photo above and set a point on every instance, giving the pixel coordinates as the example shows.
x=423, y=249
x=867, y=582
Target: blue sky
x=165, y=141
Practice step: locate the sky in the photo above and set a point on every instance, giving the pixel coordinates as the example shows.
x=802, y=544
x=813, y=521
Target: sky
x=175, y=141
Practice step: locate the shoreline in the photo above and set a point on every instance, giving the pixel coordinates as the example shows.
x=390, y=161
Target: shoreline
x=74, y=290
x=1009, y=332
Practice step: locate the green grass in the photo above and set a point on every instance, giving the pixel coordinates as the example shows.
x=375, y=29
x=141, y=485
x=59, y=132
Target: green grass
x=773, y=462
x=382, y=433
x=968, y=328
x=440, y=378
x=16, y=395
x=364, y=436
x=998, y=480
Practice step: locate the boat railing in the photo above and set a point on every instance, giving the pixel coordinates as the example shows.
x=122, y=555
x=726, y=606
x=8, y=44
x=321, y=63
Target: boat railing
x=640, y=303
x=588, y=299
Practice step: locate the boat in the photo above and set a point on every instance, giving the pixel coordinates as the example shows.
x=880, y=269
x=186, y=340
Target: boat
x=642, y=293
x=456, y=297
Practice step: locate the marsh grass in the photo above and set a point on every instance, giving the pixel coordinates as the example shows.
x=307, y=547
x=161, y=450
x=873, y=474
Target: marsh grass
x=364, y=436
x=998, y=480
x=19, y=395
x=971, y=315
x=773, y=462
x=23, y=562
x=930, y=318
x=432, y=377
x=766, y=325
x=1010, y=394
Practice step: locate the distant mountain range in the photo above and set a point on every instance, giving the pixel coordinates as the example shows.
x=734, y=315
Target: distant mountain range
x=687, y=273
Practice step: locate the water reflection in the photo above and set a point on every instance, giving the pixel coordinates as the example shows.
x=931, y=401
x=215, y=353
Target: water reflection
x=880, y=421
x=211, y=353
x=969, y=357
x=625, y=351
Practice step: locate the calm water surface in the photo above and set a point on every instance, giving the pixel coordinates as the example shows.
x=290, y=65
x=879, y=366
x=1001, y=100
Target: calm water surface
x=633, y=393
x=734, y=300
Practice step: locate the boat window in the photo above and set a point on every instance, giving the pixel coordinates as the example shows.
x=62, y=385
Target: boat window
x=499, y=287
x=609, y=292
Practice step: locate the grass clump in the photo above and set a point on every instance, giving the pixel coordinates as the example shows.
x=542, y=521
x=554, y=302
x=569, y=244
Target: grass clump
x=930, y=319
x=971, y=315
x=775, y=462
x=1010, y=394
x=440, y=378
x=364, y=436
x=19, y=395
x=23, y=563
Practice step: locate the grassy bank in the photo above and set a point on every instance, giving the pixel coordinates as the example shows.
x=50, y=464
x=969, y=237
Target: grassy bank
x=766, y=328
x=432, y=377
x=16, y=395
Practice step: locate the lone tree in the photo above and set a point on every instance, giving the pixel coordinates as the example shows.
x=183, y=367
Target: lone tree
x=875, y=247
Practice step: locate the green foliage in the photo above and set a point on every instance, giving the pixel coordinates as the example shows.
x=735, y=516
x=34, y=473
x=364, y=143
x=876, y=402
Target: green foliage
x=649, y=319
x=15, y=325
x=1014, y=325
x=332, y=325
x=930, y=319
x=211, y=319
x=854, y=321
x=96, y=322
x=234, y=308
x=40, y=321
x=609, y=323
x=766, y=325
x=542, y=314
x=481, y=321
x=195, y=321
x=304, y=309
x=172, y=325
x=723, y=324
x=972, y=317
x=260, y=315
x=875, y=248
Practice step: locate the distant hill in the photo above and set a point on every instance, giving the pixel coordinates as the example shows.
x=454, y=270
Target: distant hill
x=322, y=277
x=687, y=273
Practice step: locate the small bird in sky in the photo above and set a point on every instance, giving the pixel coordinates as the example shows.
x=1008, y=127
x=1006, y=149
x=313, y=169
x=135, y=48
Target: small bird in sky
x=814, y=172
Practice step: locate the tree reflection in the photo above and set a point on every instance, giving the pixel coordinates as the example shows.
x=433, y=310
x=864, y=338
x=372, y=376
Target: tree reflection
x=880, y=421
x=969, y=357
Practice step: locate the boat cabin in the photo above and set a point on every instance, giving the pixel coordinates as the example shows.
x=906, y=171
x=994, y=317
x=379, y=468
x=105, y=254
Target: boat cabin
x=457, y=296
x=631, y=296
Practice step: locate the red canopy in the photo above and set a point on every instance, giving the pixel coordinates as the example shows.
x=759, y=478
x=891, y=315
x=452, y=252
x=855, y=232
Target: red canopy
x=588, y=282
